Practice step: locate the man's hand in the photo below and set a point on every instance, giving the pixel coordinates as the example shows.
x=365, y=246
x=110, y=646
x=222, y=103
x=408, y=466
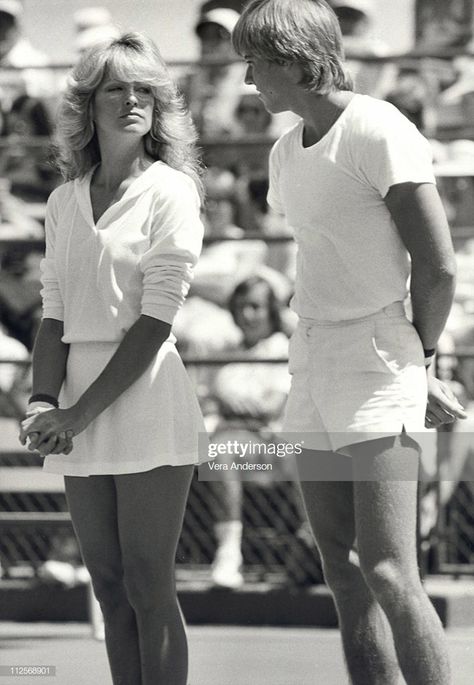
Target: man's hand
x=442, y=406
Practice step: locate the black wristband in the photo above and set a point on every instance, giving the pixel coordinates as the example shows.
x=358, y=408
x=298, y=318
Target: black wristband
x=429, y=353
x=41, y=397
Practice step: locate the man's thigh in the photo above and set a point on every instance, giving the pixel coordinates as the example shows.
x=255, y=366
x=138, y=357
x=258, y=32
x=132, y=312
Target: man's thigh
x=329, y=503
x=385, y=500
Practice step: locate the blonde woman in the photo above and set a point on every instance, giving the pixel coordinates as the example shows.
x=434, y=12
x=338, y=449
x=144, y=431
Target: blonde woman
x=122, y=236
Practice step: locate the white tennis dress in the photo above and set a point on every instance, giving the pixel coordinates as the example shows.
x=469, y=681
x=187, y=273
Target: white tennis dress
x=98, y=278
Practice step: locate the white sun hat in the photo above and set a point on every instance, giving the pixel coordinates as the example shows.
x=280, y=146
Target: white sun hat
x=222, y=16
x=13, y=7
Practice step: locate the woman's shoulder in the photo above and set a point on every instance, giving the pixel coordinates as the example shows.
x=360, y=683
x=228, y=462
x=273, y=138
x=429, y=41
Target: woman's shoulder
x=62, y=191
x=60, y=194
x=171, y=183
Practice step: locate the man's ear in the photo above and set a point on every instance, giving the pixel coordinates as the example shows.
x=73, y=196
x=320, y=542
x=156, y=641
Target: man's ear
x=295, y=72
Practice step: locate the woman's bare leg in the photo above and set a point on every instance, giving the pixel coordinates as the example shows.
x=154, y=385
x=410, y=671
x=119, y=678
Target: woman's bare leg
x=93, y=507
x=150, y=516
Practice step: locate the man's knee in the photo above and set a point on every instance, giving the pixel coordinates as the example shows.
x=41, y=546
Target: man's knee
x=389, y=580
x=341, y=572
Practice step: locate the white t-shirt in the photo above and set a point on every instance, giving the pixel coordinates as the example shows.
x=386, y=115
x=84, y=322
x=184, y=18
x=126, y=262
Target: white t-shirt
x=351, y=261
x=137, y=259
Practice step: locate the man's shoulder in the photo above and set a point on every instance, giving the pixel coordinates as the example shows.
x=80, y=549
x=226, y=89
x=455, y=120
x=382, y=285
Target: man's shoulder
x=370, y=113
x=283, y=144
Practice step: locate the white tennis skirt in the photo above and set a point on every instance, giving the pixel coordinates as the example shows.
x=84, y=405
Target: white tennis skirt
x=155, y=422
x=354, y=381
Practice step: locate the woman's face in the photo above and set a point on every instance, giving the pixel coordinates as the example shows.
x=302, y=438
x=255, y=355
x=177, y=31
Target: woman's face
x=123, y=106
x=252, y=315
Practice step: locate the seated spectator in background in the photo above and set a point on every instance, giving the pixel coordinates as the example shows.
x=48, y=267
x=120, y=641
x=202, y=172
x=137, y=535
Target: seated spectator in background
x=16, y=51
x=92, y=26
x=250, y=116
x=454, y=168
x=20, y=301
x=14, y=386
x=356, y=21
x=213, y=91
x=249, y=400
x=225, y=262
x=222, y=264
x=409, y=94
x=31, y=176
x=25, y=96
x=15, y=222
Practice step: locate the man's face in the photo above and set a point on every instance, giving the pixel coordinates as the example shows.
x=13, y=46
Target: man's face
x=8, y=33
x=271, y=81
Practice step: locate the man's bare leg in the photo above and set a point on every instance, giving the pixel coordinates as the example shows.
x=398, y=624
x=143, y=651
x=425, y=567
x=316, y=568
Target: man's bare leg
x=385, y=502
x=366, y=635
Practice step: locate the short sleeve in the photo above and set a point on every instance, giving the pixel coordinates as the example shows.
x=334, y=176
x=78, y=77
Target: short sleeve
x=395, y=153
x=274, y=195
x=176, y=241
x=53, y=305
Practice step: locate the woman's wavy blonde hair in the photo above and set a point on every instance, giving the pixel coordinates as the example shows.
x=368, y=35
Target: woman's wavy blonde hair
x=131, y=57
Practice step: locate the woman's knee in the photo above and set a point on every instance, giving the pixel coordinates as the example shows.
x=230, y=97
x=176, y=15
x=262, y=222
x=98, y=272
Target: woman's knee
x=108, y=586
x=149, y=584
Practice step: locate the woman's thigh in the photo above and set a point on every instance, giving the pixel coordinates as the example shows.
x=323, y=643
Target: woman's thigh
x=93, y=508
x=151, y=509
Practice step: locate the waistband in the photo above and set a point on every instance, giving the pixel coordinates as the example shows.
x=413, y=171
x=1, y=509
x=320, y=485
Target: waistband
x=391, y=311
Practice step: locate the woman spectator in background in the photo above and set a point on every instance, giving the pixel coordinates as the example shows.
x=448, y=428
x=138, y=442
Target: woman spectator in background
x=249, y=400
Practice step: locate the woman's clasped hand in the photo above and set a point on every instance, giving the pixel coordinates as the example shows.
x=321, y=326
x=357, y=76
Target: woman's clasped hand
x=51, y=431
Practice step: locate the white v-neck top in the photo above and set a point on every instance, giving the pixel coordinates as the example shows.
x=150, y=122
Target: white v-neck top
x=137, y=259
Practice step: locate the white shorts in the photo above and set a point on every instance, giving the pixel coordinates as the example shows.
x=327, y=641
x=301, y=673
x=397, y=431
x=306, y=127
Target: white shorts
x=354, y=381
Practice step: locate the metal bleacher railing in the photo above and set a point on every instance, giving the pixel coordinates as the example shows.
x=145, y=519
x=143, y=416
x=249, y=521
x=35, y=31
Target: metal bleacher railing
x=32, y=504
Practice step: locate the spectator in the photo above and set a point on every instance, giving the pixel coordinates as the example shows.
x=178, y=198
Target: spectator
x=17, y=52
x=13, y=391
x=409, y=95
x=31, y=176
x=356, y=19
x=212, y=93
x=93, y=25
x=20, y=301
x=250, y=399
x=251, y=117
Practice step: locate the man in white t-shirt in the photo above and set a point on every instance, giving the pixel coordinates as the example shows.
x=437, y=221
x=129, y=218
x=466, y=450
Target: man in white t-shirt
x=354, y=181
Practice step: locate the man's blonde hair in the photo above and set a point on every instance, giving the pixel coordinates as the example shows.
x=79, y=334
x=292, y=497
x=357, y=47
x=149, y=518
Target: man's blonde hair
x=305, y=32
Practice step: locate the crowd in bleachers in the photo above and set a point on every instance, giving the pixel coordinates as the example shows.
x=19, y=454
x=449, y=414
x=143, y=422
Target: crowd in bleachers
x=245, y=245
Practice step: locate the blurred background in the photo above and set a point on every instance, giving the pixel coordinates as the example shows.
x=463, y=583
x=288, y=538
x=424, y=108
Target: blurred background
x=233, y=331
